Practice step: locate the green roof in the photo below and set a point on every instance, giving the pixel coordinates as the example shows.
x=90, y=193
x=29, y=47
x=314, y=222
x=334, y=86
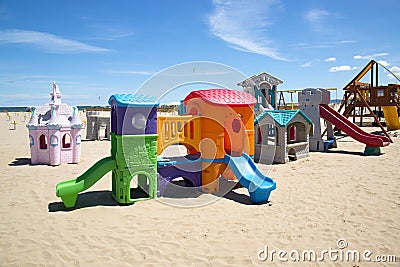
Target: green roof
x=282, y=117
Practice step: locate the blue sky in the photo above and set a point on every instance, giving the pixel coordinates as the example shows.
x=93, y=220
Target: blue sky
x=93, y=49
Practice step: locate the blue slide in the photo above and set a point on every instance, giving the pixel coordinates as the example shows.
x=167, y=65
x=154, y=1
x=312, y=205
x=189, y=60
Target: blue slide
x=259, y=185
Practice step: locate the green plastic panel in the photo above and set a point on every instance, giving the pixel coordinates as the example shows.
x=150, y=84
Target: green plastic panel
x=136, y=155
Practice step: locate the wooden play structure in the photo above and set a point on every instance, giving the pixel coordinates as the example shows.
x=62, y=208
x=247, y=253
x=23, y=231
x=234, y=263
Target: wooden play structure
x=362, y=99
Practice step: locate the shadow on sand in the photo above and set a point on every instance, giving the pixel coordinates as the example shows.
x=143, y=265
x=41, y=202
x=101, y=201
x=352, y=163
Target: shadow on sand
x=85, y=200
x=175, y=190
x=20, y=162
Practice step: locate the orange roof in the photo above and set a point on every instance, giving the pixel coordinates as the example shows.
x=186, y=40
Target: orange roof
x=223, y=97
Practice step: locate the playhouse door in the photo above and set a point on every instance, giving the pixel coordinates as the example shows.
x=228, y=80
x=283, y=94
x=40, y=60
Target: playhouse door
x=234, y=135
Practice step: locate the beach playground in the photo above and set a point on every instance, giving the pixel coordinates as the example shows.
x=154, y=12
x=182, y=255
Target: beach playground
x=213, y=133
x=321, y=200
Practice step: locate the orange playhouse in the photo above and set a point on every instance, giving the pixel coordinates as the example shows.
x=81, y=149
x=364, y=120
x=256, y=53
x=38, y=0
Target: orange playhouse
x=227, y=127
x=219, y=125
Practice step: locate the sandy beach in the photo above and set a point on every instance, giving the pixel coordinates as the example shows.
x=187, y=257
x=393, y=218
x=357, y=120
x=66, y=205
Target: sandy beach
x=340, y=195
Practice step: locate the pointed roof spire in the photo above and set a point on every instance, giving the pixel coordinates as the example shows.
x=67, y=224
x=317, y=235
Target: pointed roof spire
x=54, y=122
x=33, y=121
x=76, y=122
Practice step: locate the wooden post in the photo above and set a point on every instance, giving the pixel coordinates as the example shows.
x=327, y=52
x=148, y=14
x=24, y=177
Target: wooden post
x=376, y=119
x=291, y=100
x=15, y=125
x=281, y=99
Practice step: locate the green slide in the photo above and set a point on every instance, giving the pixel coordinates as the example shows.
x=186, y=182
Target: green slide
x=68, y=190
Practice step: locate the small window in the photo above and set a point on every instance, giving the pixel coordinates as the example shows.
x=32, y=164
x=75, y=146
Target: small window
x=380, y=93
x=292, y=133
x=259, y=135
x=66, y=141
x=78, y=139
x=43, y=142
x=236, y=125
x=31, y=141
x=139, y=121
x=53, y=140
x=272, y=135
x=271, y=130
x=267, y=135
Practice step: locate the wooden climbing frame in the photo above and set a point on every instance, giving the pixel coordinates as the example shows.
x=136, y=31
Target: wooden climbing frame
x=360, y=97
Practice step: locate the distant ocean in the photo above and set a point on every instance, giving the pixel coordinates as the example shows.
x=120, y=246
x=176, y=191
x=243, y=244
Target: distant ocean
x=24, y=109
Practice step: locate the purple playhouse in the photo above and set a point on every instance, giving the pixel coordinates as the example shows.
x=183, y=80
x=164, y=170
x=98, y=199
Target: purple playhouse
x=55, y=134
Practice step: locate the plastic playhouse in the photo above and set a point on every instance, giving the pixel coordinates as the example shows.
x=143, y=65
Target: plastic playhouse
x=218, y=132
x=264, y=88
x=281, y=135
x=314, y=103
x=97, y=125
x=55, y=133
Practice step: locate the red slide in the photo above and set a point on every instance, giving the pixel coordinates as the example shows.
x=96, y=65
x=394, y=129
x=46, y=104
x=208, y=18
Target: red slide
x=370, y=140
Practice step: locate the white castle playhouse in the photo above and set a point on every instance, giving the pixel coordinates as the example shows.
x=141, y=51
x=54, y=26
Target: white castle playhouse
x=55, y=133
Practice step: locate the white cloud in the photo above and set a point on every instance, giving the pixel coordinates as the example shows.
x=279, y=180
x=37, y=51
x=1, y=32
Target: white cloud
x=342, y=68
x=47, y=41
x=109, y=32
x=315, y=15
x=370, y=56
x=243, y=24
x=309, y=63
x=396, y=71
x=383, y=63
x=129, y=72
x=330, y=59
x=322, y=44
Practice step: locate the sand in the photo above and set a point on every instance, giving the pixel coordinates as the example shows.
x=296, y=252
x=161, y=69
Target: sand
x=319, y=200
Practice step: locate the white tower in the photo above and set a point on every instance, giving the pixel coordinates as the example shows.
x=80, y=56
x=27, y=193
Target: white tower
x=55, y=95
